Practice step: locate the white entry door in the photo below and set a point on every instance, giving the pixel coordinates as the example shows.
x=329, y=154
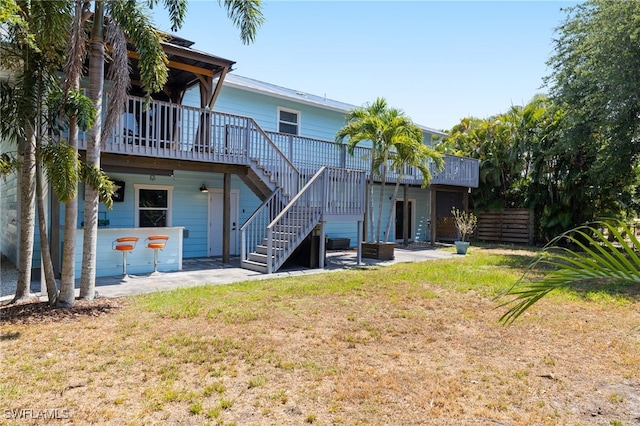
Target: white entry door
x=216, y=206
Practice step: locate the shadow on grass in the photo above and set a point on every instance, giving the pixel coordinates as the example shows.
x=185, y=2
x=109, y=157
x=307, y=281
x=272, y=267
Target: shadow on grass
x=9, y=336
x=41, y=313
x=628, y=290
x=520, y=257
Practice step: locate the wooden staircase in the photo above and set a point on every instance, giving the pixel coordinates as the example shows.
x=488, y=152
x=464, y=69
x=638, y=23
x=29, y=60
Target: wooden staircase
x=276, y=229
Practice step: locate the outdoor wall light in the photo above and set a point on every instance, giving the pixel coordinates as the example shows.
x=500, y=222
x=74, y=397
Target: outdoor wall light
x=204, y=188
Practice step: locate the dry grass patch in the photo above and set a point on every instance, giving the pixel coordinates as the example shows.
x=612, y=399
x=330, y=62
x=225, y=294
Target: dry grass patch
x=409, y=344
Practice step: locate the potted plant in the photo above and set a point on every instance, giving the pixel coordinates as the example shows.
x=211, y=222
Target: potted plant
x=466, y=223
x=395, y=142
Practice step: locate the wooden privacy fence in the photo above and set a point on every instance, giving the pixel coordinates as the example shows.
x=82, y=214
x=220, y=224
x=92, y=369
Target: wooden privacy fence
x=508, y=226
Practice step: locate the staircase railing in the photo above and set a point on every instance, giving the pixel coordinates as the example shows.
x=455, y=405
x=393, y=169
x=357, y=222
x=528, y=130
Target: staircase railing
x=295, y=221
x=274, y=231
x=263, y=151
x=330, y=191
x=254, y=230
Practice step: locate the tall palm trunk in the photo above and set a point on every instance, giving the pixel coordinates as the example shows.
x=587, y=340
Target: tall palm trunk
x=370, y=199
x=73, y=70
x=27, y=213
x=370, y=209
x=27, y=152
x=383, y=177
x=68, y=274
x=47, y=265
x=392, y=206
x=91, y=196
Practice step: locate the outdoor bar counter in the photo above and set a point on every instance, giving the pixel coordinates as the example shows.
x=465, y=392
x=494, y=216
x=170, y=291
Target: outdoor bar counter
x=140, y=259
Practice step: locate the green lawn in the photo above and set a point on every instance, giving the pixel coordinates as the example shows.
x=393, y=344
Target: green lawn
x=412, y=343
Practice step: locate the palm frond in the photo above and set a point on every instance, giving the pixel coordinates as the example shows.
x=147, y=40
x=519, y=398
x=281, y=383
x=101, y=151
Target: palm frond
x=118, y=74
x=247, y=16
x=135, y=21
x=76, y=47
x=99, y=181
x=61, y=162
x=612, y=257
x=177, y=10
x=8, y=164
x=77, y=104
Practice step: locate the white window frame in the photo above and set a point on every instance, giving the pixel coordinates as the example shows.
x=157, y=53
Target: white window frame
x=137, y=187
x=291, y=111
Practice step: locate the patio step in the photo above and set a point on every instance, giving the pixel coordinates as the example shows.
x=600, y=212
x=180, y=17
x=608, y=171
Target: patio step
x=262, y=249
x=254, y=266
x=259, y=258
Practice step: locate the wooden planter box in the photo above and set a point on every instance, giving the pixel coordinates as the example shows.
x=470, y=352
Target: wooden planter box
x=380, y=251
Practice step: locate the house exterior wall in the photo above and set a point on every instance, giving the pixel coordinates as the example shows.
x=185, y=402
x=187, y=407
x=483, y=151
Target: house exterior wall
x=9, y=218
x=315, y=122
x=421, y=197
x=189, y=208
x=318, y=123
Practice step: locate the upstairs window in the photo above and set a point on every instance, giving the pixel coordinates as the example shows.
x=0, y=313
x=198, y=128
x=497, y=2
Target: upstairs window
x=288, y=121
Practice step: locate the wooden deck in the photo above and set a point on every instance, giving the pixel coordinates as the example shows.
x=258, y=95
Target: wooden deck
x=175, y=132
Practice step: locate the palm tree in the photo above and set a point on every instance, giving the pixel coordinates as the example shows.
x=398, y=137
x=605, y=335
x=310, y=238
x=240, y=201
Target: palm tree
x=73, y=73
x=395, y=142
x=131, y=19
x=31, y=46
x=411, y=152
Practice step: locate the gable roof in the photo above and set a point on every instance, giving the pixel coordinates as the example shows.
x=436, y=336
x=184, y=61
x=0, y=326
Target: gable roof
x=261, y=87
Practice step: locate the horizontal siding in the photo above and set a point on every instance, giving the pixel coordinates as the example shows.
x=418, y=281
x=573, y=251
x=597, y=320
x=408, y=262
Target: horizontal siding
x=139, y=260
x=421, y=213
x=337, y=229
x=315, y=122
x=9, y=217
x=343, y=229
x=189, y=210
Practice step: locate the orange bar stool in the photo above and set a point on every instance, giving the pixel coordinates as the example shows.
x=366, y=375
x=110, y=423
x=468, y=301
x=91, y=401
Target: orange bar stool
x=125, y=245
x=156, y=242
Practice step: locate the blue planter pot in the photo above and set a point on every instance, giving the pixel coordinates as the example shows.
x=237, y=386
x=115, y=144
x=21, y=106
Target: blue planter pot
x=461, y=246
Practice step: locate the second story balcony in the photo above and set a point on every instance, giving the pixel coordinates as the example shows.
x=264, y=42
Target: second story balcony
x=170, y=131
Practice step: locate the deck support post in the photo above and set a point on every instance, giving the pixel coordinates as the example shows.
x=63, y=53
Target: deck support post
x=359, y=240
x=405, y=216
x=226, y=218
x=321, y=254
x=433, y=215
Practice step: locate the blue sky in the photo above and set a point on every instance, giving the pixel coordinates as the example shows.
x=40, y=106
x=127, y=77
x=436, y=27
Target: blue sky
x=437, y=61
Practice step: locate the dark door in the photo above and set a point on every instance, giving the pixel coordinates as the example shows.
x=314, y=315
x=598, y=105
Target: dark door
x=400, y=219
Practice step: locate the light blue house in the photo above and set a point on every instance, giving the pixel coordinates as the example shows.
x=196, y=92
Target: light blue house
x=226, y=165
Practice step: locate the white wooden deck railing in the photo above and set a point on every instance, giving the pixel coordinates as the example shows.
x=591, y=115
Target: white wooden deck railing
x=311, y=154
x=167, y=130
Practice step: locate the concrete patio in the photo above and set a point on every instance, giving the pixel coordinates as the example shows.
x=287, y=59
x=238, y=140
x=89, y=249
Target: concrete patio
x=203, y=271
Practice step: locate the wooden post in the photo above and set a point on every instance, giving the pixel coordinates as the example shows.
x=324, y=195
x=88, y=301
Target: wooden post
x=321, y=259
x=465, y=200
x=226, y=218
x=359, y=242
x=366, y=209
x=531, y=226
x=433, y=216
x=405, y=216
